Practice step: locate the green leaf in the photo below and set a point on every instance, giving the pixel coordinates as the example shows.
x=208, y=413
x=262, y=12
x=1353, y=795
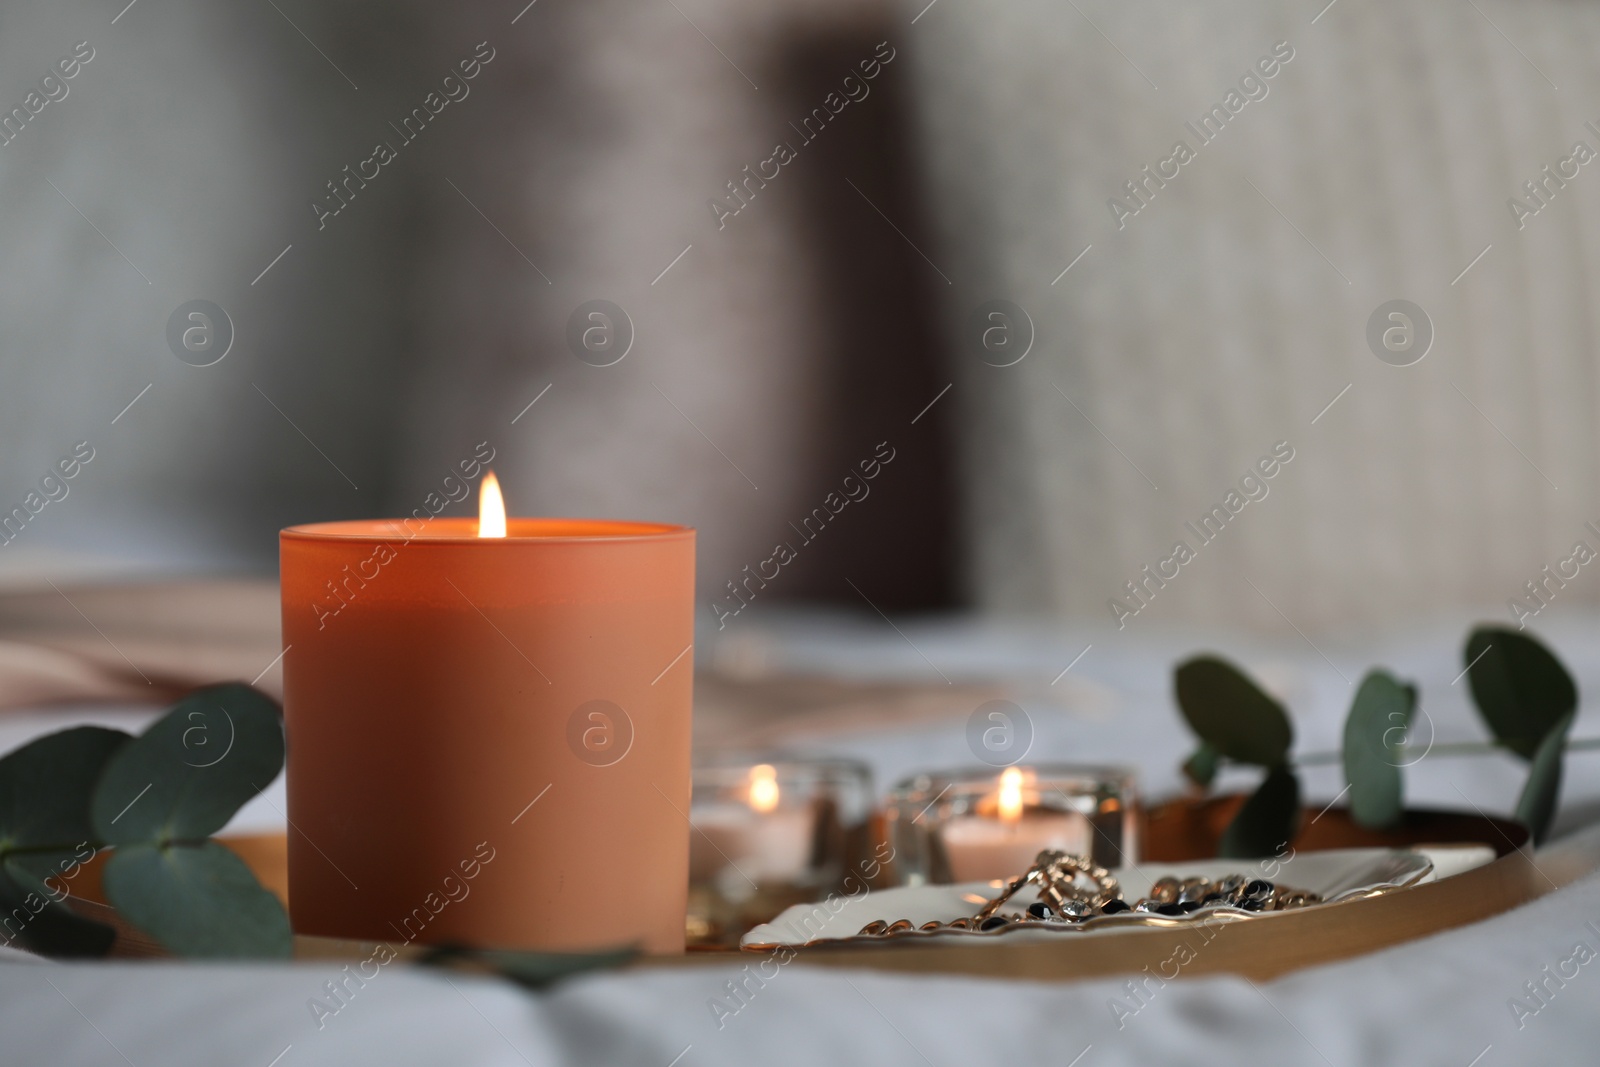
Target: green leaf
x=184, y=777
x=1537, y=804
x=1267, y=821
x=1227, y=710
x=38, y=923
x=533, y=970
x=1521, y=689
x=197, y=900
x=1373, y=734
x=1201, y=766
x=44, y=810
x=45, y=787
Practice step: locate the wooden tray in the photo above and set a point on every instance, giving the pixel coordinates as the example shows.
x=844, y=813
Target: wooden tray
x=1273, y=944
x=1260, y=949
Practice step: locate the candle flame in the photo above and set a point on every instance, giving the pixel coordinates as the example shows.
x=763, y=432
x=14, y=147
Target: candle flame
x=1010, y=795
x=763, y=787
x=491, y=508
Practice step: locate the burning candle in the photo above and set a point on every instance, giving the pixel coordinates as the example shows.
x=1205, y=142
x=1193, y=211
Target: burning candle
x=972, y=825
x=764, y=793
x=740, y=845
x=768, y=835
x=488, y=726
x=1001, y=839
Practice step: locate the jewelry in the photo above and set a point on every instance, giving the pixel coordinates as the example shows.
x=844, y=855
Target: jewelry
x=1056, y=874
x=1063, y=901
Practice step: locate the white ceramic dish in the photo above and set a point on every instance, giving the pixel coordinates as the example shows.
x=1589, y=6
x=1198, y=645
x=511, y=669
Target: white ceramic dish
x=1337, y=874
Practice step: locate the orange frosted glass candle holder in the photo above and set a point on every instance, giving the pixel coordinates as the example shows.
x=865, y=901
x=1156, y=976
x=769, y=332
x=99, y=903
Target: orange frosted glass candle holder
x=489, y=737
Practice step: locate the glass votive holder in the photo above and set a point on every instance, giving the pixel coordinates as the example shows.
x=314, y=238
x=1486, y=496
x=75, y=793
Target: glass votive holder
x=768, y=833
x=977, y=825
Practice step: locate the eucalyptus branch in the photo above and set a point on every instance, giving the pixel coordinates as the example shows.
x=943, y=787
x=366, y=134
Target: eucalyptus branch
x=153, y=802
x=1523, y=694
x=1454, y=748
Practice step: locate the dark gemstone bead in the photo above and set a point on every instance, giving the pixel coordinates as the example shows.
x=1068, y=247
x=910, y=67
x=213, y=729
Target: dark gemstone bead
x=1209, y=897
x=1250, y=905
x=1039, y=910
x=1170, y=909
x=1258, y=887
x=993, y=922
x=1111, y=907
x=1189, y=906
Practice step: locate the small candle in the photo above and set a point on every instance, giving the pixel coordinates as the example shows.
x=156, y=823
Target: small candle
x=758, y=839
x=1002, y=838
x=488, y=725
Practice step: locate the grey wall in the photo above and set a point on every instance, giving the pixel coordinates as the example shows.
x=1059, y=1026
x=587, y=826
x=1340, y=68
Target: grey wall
x=415, y=323
x=1232, y=311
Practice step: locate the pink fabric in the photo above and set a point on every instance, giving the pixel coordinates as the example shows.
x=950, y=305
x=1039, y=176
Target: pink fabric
x=136, y=643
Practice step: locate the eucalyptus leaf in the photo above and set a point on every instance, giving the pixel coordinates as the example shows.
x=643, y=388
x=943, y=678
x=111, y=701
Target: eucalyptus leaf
x=1201, y=766
x=1537, y=804
x=1519, y=686
x=45, y=831
x=1228, y=711
x=532, y=970
x=1373, y=734
x=197, y=900
x=50, y=871
x=35, y=867
x=1268, y=819
x=184, y=777
x=33, y=920
x=45, y=786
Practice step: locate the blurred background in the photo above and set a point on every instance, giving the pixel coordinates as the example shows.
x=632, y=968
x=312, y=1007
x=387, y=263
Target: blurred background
x=775, y=347
x=1156, y=338
x=423, y=318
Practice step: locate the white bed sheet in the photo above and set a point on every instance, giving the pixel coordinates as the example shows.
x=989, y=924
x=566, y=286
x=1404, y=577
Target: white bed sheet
x=1447, y=1000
